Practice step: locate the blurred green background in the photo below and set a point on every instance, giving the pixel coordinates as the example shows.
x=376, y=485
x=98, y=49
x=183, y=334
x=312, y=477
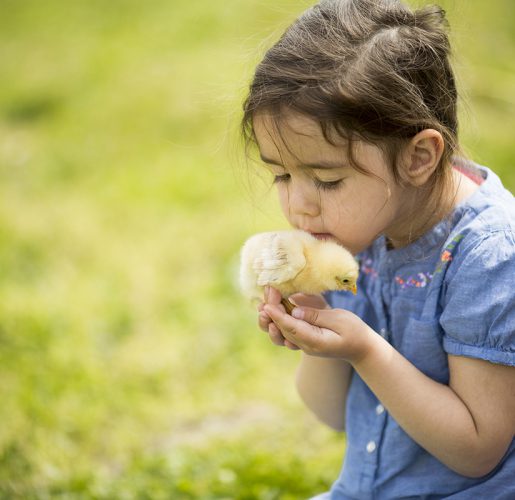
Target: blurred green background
x=129, y=365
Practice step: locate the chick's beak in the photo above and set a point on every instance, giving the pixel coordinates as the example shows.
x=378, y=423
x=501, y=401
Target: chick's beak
x=354, y=289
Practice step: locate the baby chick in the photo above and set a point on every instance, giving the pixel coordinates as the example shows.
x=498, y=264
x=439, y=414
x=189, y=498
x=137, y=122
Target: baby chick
x=295, y=261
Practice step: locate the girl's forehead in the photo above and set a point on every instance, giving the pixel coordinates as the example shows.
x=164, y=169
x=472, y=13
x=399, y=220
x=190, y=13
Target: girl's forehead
x=288, y=125
x=294, y=137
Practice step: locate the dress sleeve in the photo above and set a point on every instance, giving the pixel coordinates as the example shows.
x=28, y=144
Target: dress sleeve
x=478, y=315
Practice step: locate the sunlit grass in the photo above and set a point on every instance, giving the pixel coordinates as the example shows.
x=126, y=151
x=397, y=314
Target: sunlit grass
x=129, y=365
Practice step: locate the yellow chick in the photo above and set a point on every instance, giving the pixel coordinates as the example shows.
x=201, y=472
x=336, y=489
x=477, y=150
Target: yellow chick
x=295, y=261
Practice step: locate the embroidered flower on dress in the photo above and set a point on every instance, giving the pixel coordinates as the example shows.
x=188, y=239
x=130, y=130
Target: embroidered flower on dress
x=366, y=268
x=419, y=280
x=446, y=256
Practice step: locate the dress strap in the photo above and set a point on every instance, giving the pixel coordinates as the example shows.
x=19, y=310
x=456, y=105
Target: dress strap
x=474, y=174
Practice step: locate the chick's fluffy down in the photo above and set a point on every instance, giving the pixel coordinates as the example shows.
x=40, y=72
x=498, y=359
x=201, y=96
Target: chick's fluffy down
x=295, y=261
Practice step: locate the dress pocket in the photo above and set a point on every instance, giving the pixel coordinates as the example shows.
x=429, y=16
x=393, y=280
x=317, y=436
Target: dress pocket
x=422, y=344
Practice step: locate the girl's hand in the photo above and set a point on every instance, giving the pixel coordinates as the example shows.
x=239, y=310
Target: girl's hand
x=313, y=301
x=335, y=333
x=273, y=297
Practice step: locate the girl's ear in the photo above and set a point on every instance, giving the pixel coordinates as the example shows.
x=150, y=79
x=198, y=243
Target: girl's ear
x=421, y=156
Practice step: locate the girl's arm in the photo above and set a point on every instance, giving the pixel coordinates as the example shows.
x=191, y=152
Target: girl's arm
x=322, y=384
x=468, y=425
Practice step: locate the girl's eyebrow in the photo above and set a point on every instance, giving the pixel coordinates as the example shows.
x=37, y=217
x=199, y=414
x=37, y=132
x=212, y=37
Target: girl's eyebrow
x=318, y=164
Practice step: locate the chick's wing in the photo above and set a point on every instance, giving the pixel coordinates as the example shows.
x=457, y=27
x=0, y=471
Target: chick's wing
x=279, y=259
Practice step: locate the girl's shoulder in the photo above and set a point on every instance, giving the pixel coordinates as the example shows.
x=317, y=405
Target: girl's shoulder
x=482, y=228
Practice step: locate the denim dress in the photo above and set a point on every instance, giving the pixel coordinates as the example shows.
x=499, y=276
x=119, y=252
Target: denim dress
x=450, y=292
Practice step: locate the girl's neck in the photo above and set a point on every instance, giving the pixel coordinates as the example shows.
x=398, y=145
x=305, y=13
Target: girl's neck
x=410, y=230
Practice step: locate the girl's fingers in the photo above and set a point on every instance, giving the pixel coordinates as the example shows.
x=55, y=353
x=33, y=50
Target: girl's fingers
x=332, y=319
x=291, y=345
x=298, y=332
x=263, y=321
x=278, y=339
x=273, y=296
x=275, y=334
x=302, y=299
x=266, y=324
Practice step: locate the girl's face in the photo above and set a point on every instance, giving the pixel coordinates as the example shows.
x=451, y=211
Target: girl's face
x=320, y=192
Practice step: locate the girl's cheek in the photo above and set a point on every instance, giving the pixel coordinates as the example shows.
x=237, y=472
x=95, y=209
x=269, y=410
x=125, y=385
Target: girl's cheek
x=283, y=199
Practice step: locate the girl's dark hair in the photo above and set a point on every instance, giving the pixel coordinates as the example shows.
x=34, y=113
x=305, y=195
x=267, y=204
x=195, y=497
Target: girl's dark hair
x=366, y=69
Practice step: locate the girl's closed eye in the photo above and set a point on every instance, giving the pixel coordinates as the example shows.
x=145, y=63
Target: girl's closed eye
x=328, y=185
x=320, y=184
x=281, y=178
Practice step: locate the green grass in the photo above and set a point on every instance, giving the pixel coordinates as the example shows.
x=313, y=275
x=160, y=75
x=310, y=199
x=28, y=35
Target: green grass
x=129, y=365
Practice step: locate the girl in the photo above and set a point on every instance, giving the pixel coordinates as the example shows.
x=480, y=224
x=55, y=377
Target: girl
x=354, y=112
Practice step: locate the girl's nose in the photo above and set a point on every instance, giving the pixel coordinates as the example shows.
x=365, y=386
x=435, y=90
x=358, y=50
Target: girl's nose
x=304, y=201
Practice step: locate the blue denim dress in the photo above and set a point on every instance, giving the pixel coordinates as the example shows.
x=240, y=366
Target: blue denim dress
x=450, y=292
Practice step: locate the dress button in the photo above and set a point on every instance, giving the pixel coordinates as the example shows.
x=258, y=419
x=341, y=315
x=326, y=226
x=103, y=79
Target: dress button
x=371, y=446
x=379, y=409
x=382, y=332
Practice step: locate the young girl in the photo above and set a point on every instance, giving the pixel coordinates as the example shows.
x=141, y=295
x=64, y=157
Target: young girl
x=354, y=111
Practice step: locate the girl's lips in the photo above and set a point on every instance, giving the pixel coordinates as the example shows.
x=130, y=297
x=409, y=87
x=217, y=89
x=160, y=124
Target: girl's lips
x=322, y=236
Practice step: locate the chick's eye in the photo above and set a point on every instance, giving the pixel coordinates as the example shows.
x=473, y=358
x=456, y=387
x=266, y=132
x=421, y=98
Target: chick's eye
x=345, y=280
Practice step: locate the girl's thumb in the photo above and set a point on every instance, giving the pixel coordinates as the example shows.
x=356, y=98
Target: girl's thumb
x=326, y=318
